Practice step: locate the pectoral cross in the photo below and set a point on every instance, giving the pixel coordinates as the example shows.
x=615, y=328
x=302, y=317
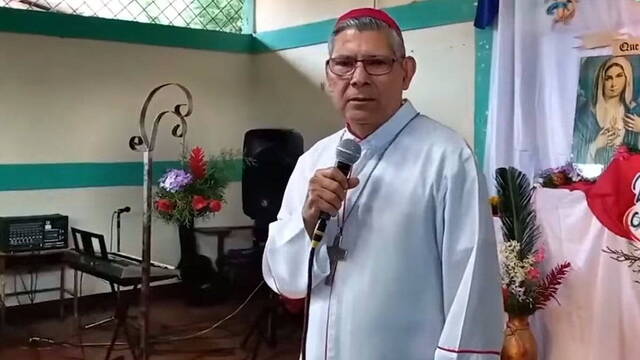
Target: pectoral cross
x=336, y=253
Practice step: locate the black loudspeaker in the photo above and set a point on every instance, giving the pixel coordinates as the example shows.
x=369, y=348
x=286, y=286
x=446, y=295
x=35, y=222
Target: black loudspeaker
x=270, y=156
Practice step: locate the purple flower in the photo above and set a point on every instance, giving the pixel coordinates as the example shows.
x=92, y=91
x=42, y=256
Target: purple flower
x=175, y=180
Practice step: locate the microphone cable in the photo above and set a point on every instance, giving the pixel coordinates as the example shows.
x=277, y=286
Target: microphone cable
x=35, y=340
x=347, y=154
x=318, y=233
x=348, y=150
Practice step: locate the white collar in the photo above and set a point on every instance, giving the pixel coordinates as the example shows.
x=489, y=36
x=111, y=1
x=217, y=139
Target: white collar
x=383, y=135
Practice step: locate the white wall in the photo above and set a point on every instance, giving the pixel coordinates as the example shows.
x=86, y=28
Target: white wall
x=276, y=14
x=288, y=86
x=70, y=100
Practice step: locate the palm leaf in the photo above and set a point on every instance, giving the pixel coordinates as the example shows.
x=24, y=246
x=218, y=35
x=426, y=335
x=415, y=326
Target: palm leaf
x=516, y=211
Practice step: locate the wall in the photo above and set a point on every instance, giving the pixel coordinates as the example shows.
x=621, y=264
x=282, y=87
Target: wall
x=289, y=81
x=289, y=86
x=276, y=14
x=70, y=100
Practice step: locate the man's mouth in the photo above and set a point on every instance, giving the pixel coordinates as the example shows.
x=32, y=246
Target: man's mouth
x=360, y=99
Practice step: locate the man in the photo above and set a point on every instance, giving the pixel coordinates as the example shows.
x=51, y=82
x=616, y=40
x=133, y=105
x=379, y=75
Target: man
x=420, y=278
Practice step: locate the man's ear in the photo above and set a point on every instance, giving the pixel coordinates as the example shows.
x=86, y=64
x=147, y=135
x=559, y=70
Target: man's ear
x=409, y=68
x=328, y=83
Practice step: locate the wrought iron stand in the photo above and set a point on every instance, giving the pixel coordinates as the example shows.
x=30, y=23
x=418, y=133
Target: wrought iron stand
x=146, y=145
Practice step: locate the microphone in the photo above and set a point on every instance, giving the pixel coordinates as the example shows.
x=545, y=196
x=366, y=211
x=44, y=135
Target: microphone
x=123, y=210
x=347, y=154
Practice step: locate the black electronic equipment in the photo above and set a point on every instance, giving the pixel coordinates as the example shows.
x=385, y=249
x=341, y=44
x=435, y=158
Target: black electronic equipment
x=119, y=268
x=33, y=233
x=270, y=156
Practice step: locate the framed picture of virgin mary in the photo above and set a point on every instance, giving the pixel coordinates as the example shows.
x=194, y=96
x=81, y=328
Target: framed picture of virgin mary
x=607, y=110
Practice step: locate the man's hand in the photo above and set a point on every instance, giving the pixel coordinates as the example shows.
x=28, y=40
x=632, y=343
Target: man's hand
x=327, y=190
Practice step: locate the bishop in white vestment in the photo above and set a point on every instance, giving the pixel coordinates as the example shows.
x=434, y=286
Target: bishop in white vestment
x=420, y=279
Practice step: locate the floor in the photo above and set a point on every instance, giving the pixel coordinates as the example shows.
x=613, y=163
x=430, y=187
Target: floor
x=171, y=317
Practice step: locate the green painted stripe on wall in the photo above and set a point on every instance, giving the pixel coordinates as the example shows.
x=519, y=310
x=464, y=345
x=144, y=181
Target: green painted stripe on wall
x=83, y=175
x=430, y=13
x=293, y=37
x=417, y=15
x=87, y=27
x=484, y=43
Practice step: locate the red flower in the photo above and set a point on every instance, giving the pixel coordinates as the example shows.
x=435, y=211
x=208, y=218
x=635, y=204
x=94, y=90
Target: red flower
x=198, y=203
x=533, y=274
x=215, y=205
x=197, y=163
x=165, y=205
x=560, y=179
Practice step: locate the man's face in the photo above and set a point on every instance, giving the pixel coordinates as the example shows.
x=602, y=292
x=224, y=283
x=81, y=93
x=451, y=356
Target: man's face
x=362, y=98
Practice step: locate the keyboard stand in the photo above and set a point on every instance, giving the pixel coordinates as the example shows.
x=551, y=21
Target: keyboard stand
x=122, y=322
x=112, y=271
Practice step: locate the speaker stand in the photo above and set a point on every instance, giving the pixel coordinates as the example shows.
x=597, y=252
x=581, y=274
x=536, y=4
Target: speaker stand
x=264, y=326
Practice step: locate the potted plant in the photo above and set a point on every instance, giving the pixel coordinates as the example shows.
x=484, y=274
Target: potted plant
x=524, y=288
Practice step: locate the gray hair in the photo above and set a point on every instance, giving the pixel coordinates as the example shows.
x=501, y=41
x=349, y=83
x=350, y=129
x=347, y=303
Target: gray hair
x=369, y=24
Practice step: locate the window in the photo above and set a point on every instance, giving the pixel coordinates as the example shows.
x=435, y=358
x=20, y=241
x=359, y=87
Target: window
x=222, y=15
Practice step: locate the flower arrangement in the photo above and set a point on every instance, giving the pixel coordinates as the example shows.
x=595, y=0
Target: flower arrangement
x=195, y=191
x=571, y=173
x=525, y=290
x=561, y=176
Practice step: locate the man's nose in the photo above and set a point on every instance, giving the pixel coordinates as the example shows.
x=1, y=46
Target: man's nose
x=360, y=76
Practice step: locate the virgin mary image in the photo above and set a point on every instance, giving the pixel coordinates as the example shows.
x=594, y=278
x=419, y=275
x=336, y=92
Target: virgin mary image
x=610, y=118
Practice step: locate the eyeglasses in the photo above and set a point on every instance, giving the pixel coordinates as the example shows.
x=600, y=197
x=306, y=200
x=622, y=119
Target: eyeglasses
x=344, y=65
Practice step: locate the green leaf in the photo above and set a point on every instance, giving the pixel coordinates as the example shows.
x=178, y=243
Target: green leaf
x=516, y=210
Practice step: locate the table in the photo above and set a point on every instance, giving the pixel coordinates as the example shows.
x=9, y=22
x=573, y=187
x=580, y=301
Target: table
x=599, y=311
x=17, y=262
x=222, y=232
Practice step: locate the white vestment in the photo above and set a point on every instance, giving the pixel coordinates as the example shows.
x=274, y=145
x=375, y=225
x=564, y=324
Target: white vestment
x=421, y=276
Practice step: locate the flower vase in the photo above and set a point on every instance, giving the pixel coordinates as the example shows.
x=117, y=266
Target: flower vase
x=202, y=284
x=519, y=342
x=188, y=247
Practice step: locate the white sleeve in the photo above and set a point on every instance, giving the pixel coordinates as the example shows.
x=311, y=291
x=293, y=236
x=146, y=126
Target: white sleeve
x=474, y=315
x=286, y=254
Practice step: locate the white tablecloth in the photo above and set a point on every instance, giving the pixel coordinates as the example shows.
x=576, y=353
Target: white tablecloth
x=599, y=315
